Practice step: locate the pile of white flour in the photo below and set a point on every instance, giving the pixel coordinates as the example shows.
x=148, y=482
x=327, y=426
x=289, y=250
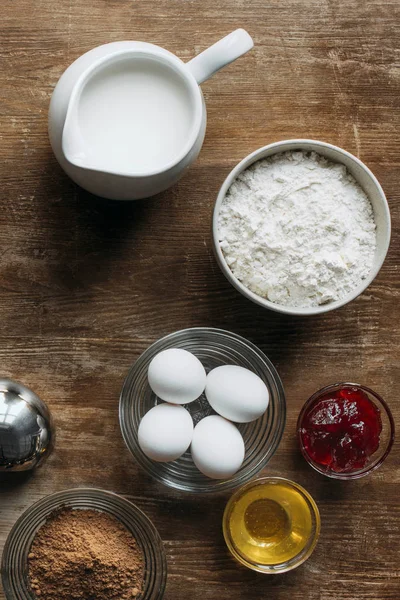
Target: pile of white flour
x=298, y=230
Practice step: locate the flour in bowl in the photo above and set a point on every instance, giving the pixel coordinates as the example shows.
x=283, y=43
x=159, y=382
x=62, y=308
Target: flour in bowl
x=298, y=230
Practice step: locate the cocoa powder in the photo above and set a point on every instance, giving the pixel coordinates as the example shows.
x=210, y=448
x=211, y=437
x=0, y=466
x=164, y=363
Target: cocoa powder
x=85, y=555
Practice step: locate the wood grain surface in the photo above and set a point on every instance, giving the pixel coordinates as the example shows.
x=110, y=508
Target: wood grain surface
x=87, y=284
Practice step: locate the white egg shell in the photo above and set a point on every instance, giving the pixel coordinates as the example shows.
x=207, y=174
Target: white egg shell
x=165, y=432
x=237, y=393
x=177, y=376
x=217, y=447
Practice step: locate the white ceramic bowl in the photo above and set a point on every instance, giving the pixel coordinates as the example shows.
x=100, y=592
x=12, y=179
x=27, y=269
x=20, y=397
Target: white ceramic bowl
x=361, y=174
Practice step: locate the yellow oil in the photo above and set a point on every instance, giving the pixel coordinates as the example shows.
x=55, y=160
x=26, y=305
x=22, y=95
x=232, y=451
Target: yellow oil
x=269, y=523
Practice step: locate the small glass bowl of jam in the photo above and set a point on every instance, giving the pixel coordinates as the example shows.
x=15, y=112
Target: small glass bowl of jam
x=345, y=431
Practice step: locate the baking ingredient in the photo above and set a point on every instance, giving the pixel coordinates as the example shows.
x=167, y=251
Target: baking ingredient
x=85, y=554
x=297, y=229
x=269, y=523
x=165, y=432
x=135, y=116
x=236, y=393
x=341, y=430
x=217, y=447
x=177, y=376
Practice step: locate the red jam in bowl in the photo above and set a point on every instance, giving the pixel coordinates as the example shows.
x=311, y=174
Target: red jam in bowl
x=340, y=430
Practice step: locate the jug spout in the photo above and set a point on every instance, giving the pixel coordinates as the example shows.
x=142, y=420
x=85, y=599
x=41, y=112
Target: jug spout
x=73, y=146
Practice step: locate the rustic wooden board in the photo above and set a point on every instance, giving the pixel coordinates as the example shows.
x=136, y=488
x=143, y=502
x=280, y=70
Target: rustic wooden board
x=86, y=284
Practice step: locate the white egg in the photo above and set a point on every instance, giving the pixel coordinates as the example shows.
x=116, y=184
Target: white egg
x=165, y=432
x=217, y=447
x=177, y=376
x=236, y=393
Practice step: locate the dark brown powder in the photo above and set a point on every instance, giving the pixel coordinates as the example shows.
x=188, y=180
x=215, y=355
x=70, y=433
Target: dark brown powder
x=85, y=555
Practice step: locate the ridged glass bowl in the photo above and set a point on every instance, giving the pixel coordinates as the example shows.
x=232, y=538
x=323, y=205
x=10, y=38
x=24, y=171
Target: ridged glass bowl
x=14, y=566
x=213, y=347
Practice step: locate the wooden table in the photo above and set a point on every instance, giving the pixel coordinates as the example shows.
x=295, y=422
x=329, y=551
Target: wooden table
x=87, y=284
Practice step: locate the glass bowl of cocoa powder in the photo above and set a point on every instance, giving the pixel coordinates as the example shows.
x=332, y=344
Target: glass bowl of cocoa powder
x=84, y=543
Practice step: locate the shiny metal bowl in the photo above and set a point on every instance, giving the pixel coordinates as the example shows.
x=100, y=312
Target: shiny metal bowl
x=14, y=566
x=213, y=347
x=26, y=430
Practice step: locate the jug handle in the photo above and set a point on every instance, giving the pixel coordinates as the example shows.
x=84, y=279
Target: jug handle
x=222, y=53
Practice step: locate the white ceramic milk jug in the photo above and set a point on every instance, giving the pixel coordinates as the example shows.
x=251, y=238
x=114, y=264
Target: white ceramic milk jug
x=128, y=118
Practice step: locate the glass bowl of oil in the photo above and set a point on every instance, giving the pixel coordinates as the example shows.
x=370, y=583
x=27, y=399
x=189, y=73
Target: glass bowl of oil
x=271, y=525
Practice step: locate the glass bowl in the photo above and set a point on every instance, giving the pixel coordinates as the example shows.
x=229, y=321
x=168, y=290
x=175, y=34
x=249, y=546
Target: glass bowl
x=385, y=441
x=302, y=525
x=14, y=567
x=214, y=347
